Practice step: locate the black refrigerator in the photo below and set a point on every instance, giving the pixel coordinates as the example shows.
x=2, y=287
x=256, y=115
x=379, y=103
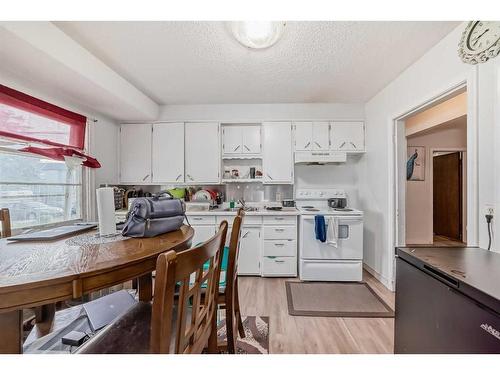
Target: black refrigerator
x=447, y=301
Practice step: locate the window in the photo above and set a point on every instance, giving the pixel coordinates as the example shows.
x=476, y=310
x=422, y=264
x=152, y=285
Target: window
x=39, y=191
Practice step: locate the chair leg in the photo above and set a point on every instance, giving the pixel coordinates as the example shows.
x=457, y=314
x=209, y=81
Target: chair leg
x=241, y=330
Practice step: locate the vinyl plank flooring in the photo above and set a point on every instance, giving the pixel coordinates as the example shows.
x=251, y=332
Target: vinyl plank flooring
x=300, y=334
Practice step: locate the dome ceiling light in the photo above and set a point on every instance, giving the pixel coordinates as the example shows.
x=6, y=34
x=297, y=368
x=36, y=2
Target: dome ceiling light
x=257, y=34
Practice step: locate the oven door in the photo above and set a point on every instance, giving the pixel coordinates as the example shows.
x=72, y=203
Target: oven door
x=349, y=244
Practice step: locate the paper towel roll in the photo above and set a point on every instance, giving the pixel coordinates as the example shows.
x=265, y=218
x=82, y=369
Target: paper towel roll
x=106, y=211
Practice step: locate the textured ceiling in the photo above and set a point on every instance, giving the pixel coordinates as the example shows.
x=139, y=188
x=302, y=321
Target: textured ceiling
x=201, y=63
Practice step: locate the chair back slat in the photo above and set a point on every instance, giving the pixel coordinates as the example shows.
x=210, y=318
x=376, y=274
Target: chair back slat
x=232, y=282
x=195, y=318
x=5, y=219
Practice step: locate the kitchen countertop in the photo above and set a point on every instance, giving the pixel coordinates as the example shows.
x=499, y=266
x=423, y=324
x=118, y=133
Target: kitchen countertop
x=473, y=268
x=286, y=211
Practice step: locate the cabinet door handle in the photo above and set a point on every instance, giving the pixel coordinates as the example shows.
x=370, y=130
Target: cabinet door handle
x=179, y=176
x=279, y=261
x=342, y=145
x=246, y=234
x=192, y=179
x=307, y=144
x=353, y=145
x=269, y=176
x=145, y=177
x=279, y=244
x=237, y=147
x=279, y=230
x=317, y=144
x=197, y=218
x=279, y=218
x=246, y=147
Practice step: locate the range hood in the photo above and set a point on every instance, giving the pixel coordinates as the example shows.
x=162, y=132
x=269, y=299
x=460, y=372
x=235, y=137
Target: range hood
x=320, y=157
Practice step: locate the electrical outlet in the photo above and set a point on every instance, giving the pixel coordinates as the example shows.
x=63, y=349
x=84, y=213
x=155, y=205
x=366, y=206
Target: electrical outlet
x=489, y=209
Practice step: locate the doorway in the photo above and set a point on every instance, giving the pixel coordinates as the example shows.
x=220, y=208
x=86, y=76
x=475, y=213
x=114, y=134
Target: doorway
x=449, y=204
x=432, y=174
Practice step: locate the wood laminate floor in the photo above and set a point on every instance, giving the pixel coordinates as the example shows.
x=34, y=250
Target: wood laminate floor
x=300, y=334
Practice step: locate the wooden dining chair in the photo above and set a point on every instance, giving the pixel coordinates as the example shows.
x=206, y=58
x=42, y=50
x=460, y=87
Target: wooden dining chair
x=228, y=295
x=5, y=219
x=181, y=325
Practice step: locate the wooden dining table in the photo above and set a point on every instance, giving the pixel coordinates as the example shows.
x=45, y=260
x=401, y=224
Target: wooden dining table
x=41, y=273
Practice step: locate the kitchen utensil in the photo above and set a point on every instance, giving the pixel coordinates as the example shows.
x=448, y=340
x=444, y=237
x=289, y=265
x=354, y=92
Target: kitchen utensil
x=252, y=172
x=337, y=202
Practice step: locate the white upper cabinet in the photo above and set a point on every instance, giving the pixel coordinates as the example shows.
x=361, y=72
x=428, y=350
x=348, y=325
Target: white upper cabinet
x=277, y=153
x=168, y=153
x=135, y=153
x=348, y=135
x=202, y=153
x=241, y=139
x=311, y=136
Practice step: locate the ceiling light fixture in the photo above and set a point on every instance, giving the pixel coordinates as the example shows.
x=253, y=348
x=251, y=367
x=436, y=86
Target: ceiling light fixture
x=257, y=34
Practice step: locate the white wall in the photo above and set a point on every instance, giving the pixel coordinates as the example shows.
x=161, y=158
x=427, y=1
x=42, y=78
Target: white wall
x=261, y=112
x=433, y=74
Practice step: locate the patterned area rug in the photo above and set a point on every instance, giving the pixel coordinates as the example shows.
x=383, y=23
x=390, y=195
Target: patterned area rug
x=256, y=339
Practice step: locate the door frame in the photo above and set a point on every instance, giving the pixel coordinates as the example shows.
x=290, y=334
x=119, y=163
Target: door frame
x=463, y=151
x=396, y=230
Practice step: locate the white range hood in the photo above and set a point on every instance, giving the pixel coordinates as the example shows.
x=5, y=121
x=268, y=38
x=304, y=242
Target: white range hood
x=320, y=157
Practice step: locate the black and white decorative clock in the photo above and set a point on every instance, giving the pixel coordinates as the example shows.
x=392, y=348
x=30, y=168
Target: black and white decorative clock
x=480, y=42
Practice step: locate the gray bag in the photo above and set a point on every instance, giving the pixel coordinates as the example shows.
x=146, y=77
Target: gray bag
x=152, y=216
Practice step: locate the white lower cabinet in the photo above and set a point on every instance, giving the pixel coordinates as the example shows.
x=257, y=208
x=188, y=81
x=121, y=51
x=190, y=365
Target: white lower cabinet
x=250, y=251
x=266, y=249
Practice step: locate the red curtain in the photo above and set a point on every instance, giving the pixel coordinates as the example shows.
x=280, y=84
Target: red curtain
x=30, y=119
x=27, y=118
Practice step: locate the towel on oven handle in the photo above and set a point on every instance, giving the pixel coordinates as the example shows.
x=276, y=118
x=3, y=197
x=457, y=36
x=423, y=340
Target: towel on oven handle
x=320, y=228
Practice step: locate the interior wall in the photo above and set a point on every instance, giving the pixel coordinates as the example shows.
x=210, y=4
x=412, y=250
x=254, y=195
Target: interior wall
x=419, y=199
x=433, y=74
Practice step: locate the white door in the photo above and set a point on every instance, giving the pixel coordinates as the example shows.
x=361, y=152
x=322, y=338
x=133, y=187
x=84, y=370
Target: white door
x=135, y=153
x=202, y=233
x=251, y=139
x=321, y=136
x=202, y=154
x=250, y=249
x=348, y=135
x=168, y=153
x=232, y=139
x=303, y=136
x=277, y=159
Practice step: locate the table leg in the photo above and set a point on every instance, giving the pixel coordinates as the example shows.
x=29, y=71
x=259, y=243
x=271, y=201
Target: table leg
x=44, y=316
x=145, y=287
x=11, y=327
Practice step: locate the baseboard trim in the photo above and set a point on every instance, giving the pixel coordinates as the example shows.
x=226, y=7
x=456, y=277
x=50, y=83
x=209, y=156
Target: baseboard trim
x=384, y=280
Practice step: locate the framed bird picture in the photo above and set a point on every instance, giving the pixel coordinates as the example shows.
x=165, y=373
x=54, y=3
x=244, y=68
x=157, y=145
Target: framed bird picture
x=415, y=165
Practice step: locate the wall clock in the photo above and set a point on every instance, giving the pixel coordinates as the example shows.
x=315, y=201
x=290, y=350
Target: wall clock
x=480, y=42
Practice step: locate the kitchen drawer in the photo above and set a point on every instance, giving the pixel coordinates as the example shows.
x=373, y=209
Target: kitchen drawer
x=280, y=232
x=280, y=220
x=201, y=219
x=247, y=219
x=331, y=270
x=279, y=266
x=284, y=248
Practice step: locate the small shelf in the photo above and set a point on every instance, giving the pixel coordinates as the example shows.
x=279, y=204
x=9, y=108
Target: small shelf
x=242, y=157
x=240, y=180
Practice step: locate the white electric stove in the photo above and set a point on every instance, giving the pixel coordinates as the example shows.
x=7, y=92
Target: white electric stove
x=320, y=261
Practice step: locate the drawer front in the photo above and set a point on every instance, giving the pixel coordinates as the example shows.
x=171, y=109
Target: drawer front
x=247, y=220
x=280, y=232
x=331, y=270
x=280, y=220
x=201, y=219
x=279, y=266
x=283, y=248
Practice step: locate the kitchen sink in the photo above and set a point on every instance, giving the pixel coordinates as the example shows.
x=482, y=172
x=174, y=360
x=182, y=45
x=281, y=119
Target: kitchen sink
x=246, y=209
